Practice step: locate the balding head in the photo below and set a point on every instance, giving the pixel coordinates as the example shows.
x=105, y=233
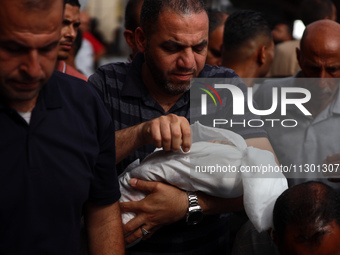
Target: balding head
x=319, y=57
x=322, y=33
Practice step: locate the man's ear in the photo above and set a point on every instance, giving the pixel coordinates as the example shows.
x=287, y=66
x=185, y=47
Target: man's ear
x=140, y=39
x=129, y=38
x=261, y=55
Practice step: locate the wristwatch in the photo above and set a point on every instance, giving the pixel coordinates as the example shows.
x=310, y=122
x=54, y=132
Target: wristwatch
x=195, y=212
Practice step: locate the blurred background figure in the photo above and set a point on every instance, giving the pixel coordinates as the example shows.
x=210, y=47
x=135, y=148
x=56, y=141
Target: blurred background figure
x=131, y=22
x=109, y=17
x=216, y=28
x=69, y=31
x=248, y=46
x=86, y=28
x=313, y=10
x=84, y=59
x=282, y=32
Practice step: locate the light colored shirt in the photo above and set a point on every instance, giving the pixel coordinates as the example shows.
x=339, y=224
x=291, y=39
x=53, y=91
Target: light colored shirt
x=85, y=58
x=305, y=147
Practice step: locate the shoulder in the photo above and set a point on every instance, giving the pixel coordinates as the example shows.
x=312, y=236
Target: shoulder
x=71, y=88
x=276, y=82
x=263, y=94
x=73, y=72
x=217, y=72
x=111, y=71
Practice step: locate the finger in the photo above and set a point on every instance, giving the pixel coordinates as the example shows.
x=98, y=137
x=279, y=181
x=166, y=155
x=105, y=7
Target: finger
x=151, y=230
x=132, y=206
x=166, y=135
x=186, y=136
x=133, y=236
x=138, y=233
x=133, y=224
x=146, y=186
x=330, y=158
x=156, y=134
x=176, y=136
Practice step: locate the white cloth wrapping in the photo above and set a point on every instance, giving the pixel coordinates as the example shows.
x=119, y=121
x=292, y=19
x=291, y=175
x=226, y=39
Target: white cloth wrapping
x=178, y=168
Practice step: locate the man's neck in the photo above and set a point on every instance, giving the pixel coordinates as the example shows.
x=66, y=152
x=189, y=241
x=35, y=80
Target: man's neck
x=23, y=106
x=60, y=66
x=245, y=70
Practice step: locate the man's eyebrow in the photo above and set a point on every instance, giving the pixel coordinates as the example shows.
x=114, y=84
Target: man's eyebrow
x=201, y=44
x=12, y=43
x=19, y=45
x=171, y=43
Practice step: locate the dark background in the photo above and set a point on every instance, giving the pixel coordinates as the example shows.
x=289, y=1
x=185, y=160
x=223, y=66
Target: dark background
x=276, y=10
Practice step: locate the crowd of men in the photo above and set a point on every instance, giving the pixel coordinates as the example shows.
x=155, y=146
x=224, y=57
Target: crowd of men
x=65, y=140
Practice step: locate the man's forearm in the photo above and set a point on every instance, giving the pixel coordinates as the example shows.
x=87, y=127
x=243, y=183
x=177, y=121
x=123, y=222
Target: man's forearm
x=104, y=229
x=216, y=205
x=127, y=140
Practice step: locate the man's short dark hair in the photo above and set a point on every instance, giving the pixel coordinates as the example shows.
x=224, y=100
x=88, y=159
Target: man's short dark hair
x=310, y=206
x=216, y=19
x=152, y=8
x=243, y=26
x=72, y=2
x=313, y=10
x=131, y=14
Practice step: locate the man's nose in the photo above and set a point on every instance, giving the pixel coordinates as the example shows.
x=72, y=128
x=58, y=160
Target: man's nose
x=31, y=64
x=186, y=59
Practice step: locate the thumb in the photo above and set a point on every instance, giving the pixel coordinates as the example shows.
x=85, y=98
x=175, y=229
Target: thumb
x=146, y=186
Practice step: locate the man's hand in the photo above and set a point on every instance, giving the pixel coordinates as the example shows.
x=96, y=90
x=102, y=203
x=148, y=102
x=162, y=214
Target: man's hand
x=171, y=132
x=164, y=204
x=333, y=167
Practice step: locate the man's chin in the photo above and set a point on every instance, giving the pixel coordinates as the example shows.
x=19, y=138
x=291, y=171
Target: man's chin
x=177, y=89
x=63, y=55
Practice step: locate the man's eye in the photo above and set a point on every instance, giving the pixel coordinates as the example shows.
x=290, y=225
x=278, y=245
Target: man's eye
x=13, y=49
x=48, y=48
x=66, y=22
x=333, y=69
x=171, y=49
x=199, y=48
